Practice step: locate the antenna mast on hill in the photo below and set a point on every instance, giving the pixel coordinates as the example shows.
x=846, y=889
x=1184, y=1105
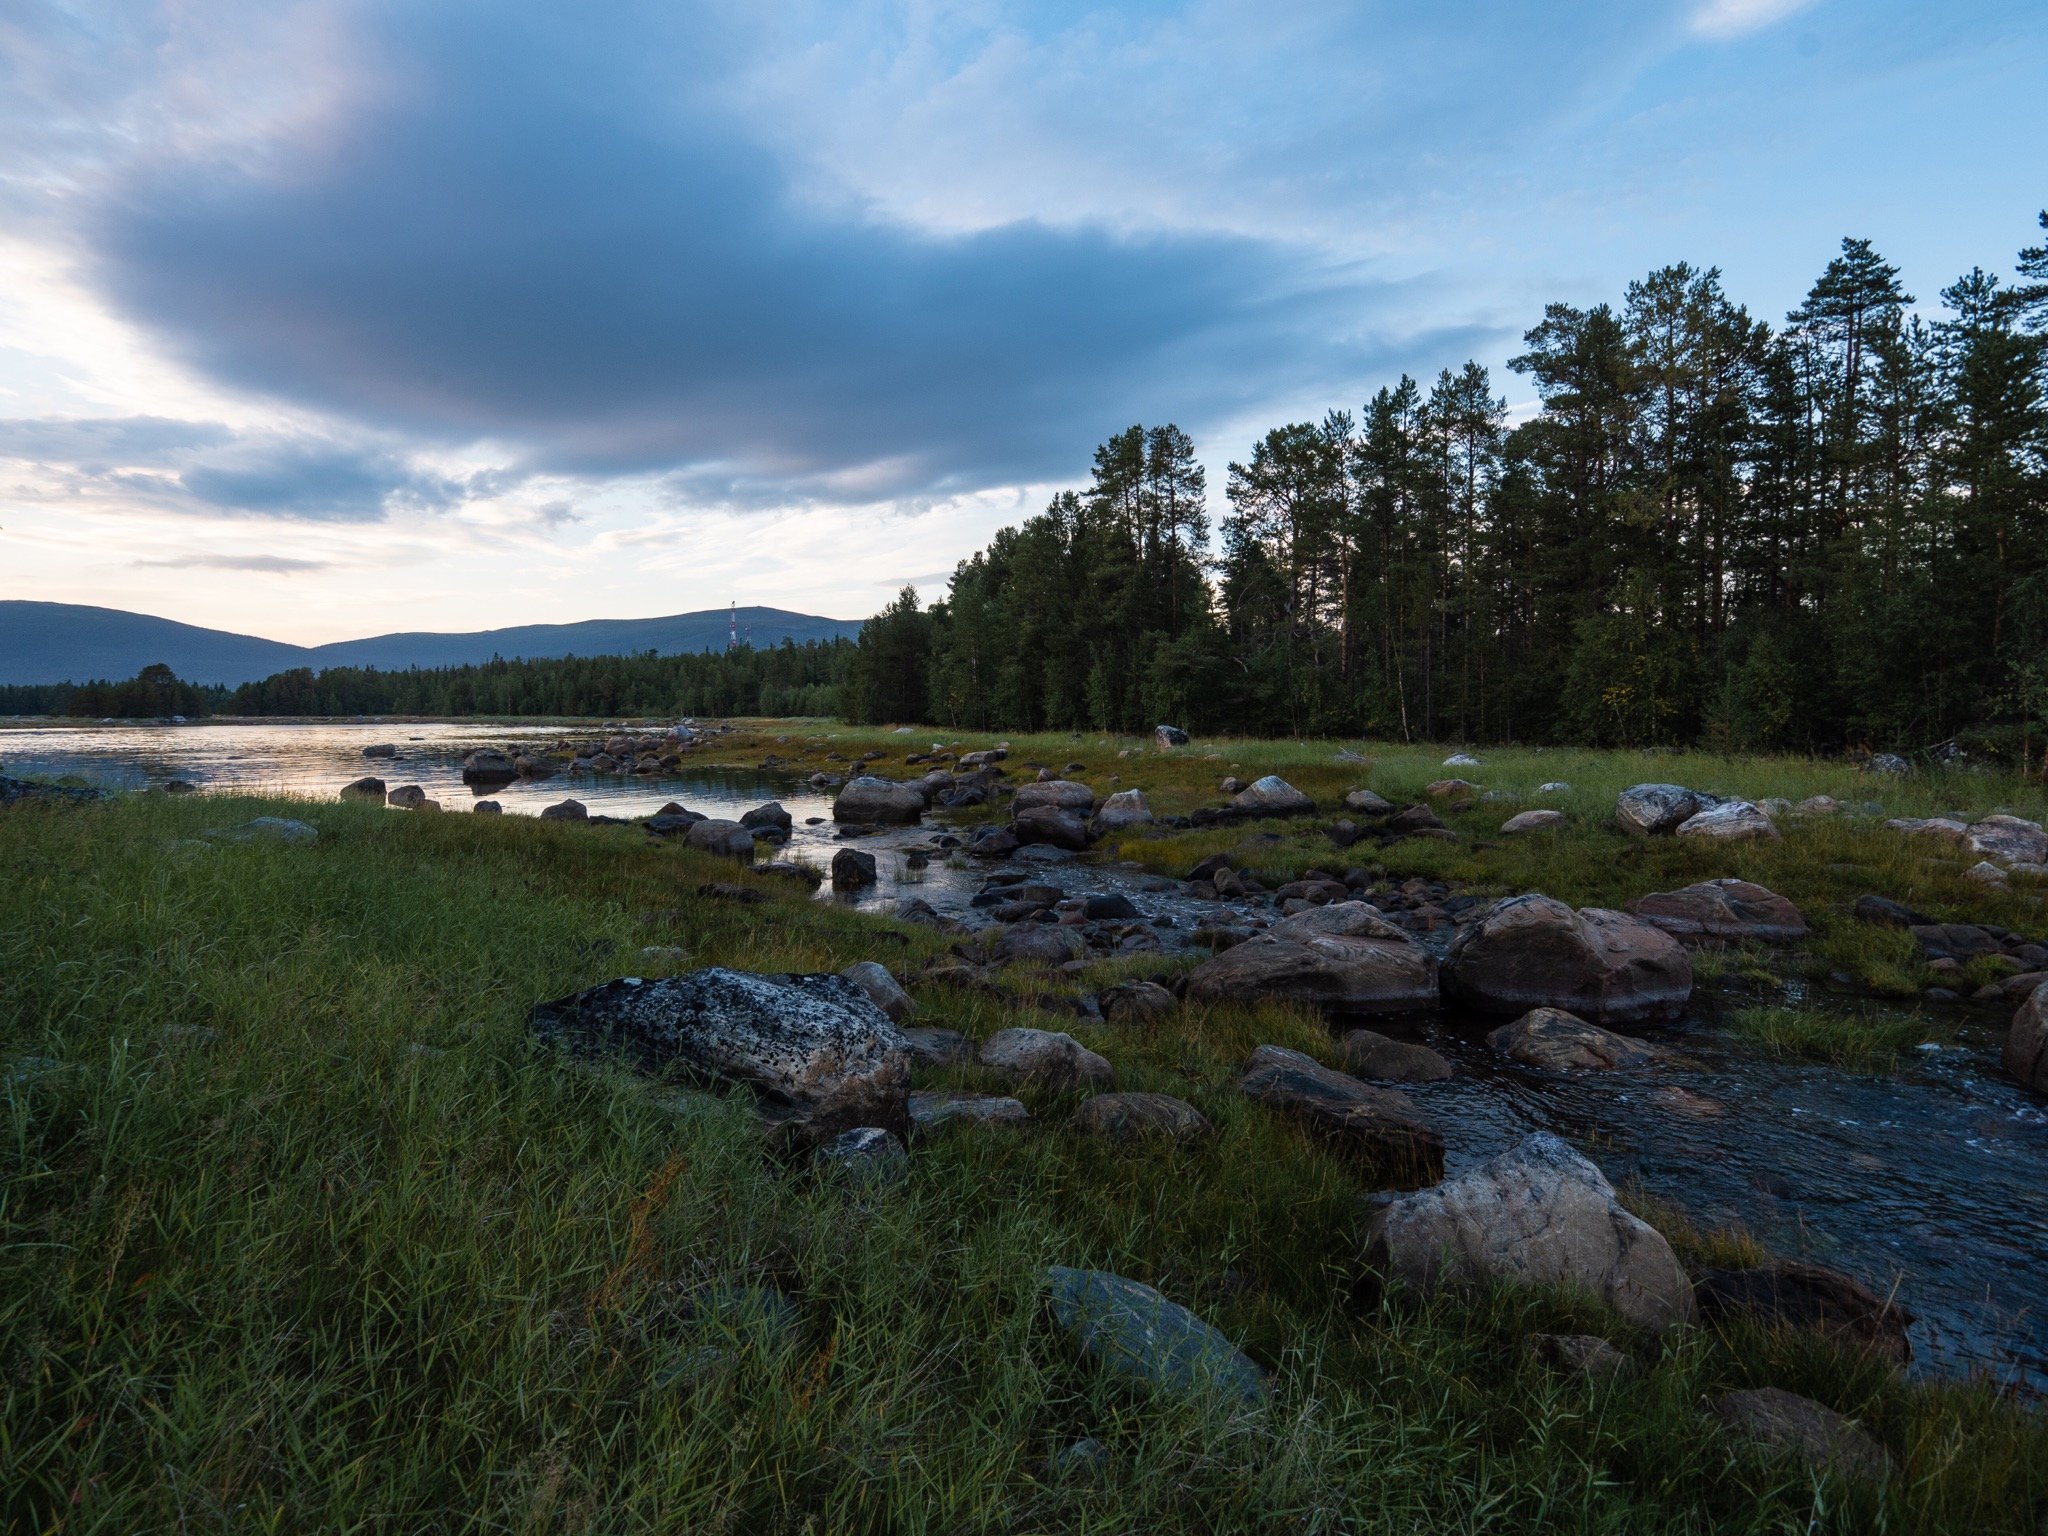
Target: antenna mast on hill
x=732, y=632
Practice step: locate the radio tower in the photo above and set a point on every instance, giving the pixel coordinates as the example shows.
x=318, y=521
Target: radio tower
x=732, y=632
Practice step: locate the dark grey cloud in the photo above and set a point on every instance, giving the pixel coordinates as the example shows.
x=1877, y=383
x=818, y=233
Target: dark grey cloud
x=538, y=228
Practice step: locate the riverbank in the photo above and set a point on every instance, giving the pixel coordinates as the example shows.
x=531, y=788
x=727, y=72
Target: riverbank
x=301, y=1225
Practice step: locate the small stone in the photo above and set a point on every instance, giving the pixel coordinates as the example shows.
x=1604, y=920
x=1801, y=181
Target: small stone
x=883, y=990
x=928, y=1111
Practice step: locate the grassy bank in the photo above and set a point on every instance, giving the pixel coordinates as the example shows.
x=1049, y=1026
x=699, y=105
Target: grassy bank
x=300, y=1233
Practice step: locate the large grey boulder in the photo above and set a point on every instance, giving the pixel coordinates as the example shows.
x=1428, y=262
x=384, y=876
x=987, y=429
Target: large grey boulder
x=1535, y=952
x=1061, y=794
x=486, y=766
x=1646, y=810
x=820, y=1057
x=367, y=788
x=1379, y=1125
x=407, y=797
x=1050, y=825
x=1344, y=957
x=1537, y=1215
x=852, y=868
x=770, y=815
x=1788, y=1424
x=869, y=800
x=1046, y=1056
x=727, y=839
x=1131, y=1330
x=1732, y=821
x=1272, y=796
x=1563, y=1042
x=1734, y=910
x=2007, y=840
x=1125, y=808
x=2026, y=1043
x=565, y=810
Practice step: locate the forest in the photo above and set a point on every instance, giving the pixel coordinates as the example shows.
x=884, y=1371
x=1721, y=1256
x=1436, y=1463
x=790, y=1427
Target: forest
x=1827, y=534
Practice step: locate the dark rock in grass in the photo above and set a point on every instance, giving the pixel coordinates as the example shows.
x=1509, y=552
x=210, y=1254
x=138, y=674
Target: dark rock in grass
x=20, y=791
x=882, y=989
x=485, y=766
x=796, y=874
x=672, y=823
x=1537, y=1215
x=1110, y=907
x=814, y=1050
x=852, y=868
x=936, y=1047
x=1734, y=910
x=1416, y=818
x=1563, y=1042
x=727, y=839
x=726, y=890
x=1890, y=914
x=366, y=788
x=1037, y=944
x=1535, y=952
x=1046, y=1057
x=770, y=815
x=2026, y=1043
x=1785, y=1423
x=1131, y=1330
x=268, y=829
x=1955, y=941
x=487, y=808
x=1366, y=1053
x=1649, y=810
x=1585, y=1355
x=1344, y=957
x=1050, y=825
x=1379, y=1125
x=1210, y=867
x=1083, y=1461
x=929, y=1111
x=865, y=1154
x=1166, y=736
x=407, y=797
x=1788, y=1294
x=566, y=810
x=1134, y=1002
x=1134, y=1116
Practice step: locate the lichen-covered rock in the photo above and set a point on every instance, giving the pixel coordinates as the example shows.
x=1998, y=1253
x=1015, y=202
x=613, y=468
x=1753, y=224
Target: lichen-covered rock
x=2026, y=1043
x=1535, y=952
x=1379, y=1125
x=2007, y=840
x=1732, y=821
x=1533, y=821
x=1135, y=1116
x=1047, y=1057
x=1646, y=810
x=1272, y=796
x=1167, y=737
x=1344, y=957
x=929, y=1111
x=1538, y=1215
x=1734, y=910
x=816, y=1052
x=1131, y=1330
x=1562, y=1042
x=1787, y=1423
x=868, y=800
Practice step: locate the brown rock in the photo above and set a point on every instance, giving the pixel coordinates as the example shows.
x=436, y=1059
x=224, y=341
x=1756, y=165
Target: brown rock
x=1722, y=909
x=1790, y=1294
x=1536, y=952
x=1563, y=1042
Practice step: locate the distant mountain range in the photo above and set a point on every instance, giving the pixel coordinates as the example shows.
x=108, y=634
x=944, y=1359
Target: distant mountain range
x=67, y=642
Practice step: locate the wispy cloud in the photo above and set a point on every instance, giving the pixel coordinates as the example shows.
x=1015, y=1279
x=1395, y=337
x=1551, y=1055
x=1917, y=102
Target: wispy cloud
x=1734, y=18
x=276, y=565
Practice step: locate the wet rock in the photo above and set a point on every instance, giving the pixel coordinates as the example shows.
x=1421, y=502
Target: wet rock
x=1562, y=1042
x=1046, y=1057
x=1537, y=1215
x=1366, y=1053
x=1060, y=794
x=1736, y=910
x=1344, y=957
x=565, y=810
x=1784, y=1422
x=1648, y=810
x=1110, y=908
x=1535, y=952
x=487, y=767
x=2007, y=840
x=2026, y=1043
x=1585, y=1355
x=367, y=788
x=1534, y=821
x=407, y=797
x=1363, y=802
x=864, y=1154
x=1134, y=1002
x=1379, y=1125
x=727, y=839
x=929, y=1111
x=1732, y=821
x=1168, y=736
x=992, y=843
x=770, y=815
x=533, y=767
x=882, y=989
x=1789, y=1294
x=1135, y=1116
x=667, y=822
x=1131, y=1330
x=852, y=868
x=381, y=749
x=1049, y=825
x=1878, y=909
x=1272, y=796
x=812, y=1048
x=1126, y=808
x=868, y=800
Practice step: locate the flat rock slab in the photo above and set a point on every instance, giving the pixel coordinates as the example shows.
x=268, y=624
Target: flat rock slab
x=1535, y=952
x=1539, y=1214
x=1048, y=1057
x=1731, y=910
x=1381, y=1126
x=1785, y=1422
x=928, y=1111
x=1344, y=957
x=1137, y=1116
x=813, y=1048
x=1130, y=1330
x=1563, y=1042
x=1367, y=1053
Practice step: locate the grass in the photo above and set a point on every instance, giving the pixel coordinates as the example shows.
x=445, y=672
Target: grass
x=297, y=1231
x=1859, y=1042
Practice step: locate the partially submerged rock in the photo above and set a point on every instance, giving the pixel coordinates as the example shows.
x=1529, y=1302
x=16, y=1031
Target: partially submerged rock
x=1344, y=957
x=1733, y=910
x=1535, y=952
x=1784, y=1422
x=871, y=800
x=1131, y=1330
x=1538, y=1214
x=486, y=766
x=1380, y=1125
x=1052, y=826
x=2026, y=1043
x=1366, y=1053
x=1563, y=1042
x=852, y=868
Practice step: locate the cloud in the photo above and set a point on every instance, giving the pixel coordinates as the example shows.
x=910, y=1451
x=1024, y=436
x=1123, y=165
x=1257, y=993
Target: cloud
x=1735, y=18
x=281, y=565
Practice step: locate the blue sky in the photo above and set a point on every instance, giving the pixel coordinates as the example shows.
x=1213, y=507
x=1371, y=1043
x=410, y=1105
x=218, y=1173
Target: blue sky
x=321, y=318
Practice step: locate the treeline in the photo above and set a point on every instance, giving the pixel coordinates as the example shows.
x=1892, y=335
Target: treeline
x=1827, y=533
x=156, y=692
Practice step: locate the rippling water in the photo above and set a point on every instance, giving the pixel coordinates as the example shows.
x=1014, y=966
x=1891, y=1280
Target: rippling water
x=1933, y=1179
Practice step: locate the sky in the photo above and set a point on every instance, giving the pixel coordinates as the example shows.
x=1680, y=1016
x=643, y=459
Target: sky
x=322, y=318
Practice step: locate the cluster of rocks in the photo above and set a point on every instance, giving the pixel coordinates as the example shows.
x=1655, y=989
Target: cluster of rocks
x=1949, y=947
x=20, y=791
x=2002, y=845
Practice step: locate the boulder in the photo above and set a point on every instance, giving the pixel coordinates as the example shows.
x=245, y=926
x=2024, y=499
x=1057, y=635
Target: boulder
x=1817, y=805
x=727, y=839
x=1060, y=794
x=407, y=797
x=882, y=989
x=488, y=767
x=1892, y=914
x=1037, y=944
x=1166, y=737
x=1538, y=1214
x=1343, y=957
x=992, y=843
x=1379, y=1125
x=1535, y=952
x=2026, y=1043
x=1554, y=787
x=1125, y=808
x=1735, y=910
x=1363, y=802
x=366, y=788
x=1134, y=1002
x=1451, y=789
x=852, y=868
x=1047, y=1057
x=868, y=800
x=1732, y=821
x=1366, y=1053
x=1110, y=906
x=1533, y=821
x=487, y=808
x=929, y=1111
x=770, y=815
x=1944, y=829
x=812, y=1048
x=565, y=810
x=1789, y=1294
x=1786, y=1423
x=1887, y=763
x=1051, y=826
x=1272, y=796
x=1955, y=941
x=1563, y=1042
x=1135, y=1116
x=1647, y=810
x=1132, y=1331
x=534, y=767
x=1416, y=818
x=381, y=749
x=1229, y=784
x=2007, y=840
